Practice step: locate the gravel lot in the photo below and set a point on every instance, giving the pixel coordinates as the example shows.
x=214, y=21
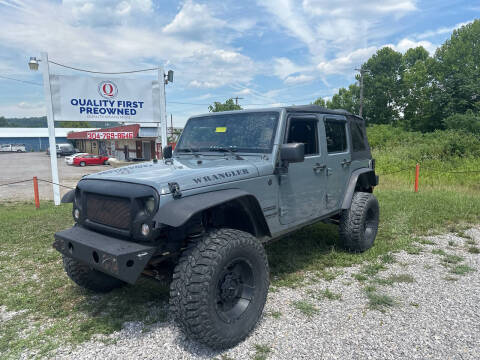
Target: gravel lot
x=21, y=166
x=437, y=316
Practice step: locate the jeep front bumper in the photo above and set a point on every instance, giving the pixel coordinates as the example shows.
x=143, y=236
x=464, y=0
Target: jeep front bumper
x=124, y=260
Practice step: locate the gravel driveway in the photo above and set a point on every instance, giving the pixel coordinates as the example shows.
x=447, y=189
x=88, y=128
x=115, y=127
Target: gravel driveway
x=435, y=314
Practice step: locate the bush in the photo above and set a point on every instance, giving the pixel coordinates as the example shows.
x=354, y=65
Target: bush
x=415, y=146
x=470, y=122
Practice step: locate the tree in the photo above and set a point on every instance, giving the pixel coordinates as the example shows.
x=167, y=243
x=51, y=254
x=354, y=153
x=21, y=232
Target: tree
x=458, y=70
x=229, y=105
x=74, y=124
x=347, y=99
x=3, y=122
x=320, y=102
x=382, y=86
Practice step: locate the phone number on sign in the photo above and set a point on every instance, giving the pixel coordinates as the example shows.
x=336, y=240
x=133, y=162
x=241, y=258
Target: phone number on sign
x=111, y=135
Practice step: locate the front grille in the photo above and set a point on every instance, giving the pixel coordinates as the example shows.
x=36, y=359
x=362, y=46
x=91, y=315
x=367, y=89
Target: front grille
x=106, y=210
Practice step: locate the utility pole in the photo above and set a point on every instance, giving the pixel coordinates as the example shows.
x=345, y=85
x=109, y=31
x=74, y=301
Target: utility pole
x=171, y=126
x=236, y=99
x=362, y=71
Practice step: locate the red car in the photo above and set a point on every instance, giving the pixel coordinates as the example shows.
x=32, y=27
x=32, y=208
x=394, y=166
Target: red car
x=83, y=160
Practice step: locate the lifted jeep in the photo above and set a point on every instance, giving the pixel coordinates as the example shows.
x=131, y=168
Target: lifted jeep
x=200, y=217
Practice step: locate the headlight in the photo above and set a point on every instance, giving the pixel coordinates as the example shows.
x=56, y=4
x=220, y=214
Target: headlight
x=149, y=205
x=145, y=229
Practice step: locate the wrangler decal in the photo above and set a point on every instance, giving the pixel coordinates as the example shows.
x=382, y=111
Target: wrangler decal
x=220, y=176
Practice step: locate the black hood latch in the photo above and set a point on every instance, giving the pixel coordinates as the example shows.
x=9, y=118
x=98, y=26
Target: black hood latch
x=175, y=190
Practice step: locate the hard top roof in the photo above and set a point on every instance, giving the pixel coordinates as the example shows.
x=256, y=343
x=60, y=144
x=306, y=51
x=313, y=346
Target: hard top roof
x=290, y=109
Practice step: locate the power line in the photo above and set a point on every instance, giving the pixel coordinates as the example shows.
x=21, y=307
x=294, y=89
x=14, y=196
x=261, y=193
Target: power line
x=22, y=81
x=100, y=72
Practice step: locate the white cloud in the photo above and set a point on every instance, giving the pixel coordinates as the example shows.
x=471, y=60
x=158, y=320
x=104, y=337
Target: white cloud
x=346, y=63
x=299, y=79
x=405, y=44
x=442, y=30
x=61, y=30
x=23, y=109
x=283, y=67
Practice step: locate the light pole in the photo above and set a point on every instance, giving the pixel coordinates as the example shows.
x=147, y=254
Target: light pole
x=33, y=65
x=362, y=71
x=164, y=79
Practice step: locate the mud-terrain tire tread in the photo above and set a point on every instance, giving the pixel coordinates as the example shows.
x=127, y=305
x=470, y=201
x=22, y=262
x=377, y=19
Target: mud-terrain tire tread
x=88, y=278
x=352, y=222
x=192, y=276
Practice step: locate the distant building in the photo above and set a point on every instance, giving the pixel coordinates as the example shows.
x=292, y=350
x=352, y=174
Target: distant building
x=35, y=139
x=124, y=142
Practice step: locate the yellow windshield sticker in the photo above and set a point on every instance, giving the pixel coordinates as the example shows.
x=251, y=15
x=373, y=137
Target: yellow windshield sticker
x=221, y=129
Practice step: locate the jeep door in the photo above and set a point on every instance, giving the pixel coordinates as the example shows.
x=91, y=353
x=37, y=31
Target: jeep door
x=302, y=188
x=338, y=159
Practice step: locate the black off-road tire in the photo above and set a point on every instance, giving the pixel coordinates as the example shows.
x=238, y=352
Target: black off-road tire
x=359, y=224
x=200, y=291
x=88, y=278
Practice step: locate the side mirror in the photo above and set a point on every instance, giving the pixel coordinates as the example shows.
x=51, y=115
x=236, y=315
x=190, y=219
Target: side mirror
x=167, y=152
x=293, y=152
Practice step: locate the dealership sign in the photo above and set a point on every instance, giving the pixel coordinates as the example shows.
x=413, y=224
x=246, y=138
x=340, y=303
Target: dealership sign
x=77, y=98
x=109, y=135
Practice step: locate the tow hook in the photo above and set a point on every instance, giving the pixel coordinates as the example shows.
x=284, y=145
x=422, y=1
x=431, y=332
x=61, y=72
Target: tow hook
x=175, y=190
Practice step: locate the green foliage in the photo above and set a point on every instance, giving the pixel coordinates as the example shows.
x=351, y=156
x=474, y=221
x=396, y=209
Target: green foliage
x=469, y=122
x=74, y=124
x=419, y=92
x=228, y=105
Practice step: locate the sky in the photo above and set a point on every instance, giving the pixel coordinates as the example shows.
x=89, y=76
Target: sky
x=266, y=52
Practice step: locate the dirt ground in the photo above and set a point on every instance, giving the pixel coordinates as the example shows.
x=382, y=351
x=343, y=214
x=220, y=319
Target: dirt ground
x=24, y=166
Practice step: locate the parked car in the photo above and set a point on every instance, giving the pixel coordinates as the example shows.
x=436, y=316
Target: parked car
x=69, y=159
x=13, y=148
x=90, y=159
x=199, y=219
x=64, y=150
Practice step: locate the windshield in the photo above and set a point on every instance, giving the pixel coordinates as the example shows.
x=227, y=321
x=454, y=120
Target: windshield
x=244, y=132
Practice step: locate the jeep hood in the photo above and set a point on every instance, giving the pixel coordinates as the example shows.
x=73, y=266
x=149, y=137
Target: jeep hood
x=188, y=173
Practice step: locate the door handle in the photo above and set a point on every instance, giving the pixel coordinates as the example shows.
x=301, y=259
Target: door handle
x=346, y=162
x=317, y=168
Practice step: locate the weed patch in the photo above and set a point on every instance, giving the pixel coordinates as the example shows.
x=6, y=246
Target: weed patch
x=305, y=307
x=461, y=269
x=474, y=250
x=261, y=352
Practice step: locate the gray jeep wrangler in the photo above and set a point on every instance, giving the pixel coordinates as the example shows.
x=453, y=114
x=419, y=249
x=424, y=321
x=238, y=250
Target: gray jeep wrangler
x=200, y=217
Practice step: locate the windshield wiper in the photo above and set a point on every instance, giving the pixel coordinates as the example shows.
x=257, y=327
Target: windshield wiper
x=189, y=150
x=225, y=149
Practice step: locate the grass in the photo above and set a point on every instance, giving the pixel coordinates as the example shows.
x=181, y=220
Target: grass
x=461, y=269
x=449, y=259
x=275, y=314
x=261, y=352
x=56, y=312
x=388, y=258
x=395, y=278
x=378, y=301
x=474, y=250
x=439, y=252
x=325, y=294
x=305, y=307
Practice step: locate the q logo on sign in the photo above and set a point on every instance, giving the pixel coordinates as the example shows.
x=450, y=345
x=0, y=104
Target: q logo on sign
x=107, y=89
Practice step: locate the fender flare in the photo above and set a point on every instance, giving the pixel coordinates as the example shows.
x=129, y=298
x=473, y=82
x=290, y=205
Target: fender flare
x=177, y=212
x=370, y=176
x=69, y=197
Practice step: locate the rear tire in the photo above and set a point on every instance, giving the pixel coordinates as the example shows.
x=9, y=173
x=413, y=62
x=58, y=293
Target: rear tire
x=359, y=224
x=105, y=162
x=88, y=278
x=219, y=287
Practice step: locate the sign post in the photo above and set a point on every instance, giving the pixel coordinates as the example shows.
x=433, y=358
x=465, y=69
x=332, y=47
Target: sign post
x=51, y=128
x=163, y=107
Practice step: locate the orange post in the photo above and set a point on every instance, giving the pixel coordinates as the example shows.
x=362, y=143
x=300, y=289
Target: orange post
x=417, y=173
x=35, y=191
